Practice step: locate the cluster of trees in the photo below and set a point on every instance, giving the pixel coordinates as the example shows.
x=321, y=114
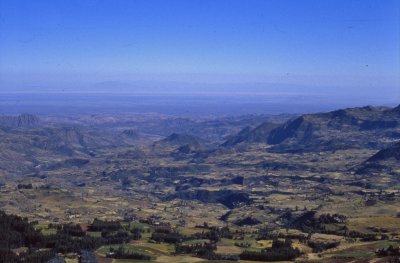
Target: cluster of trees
x=204, y=250
x=363, y=236
x=321, y=246
x=112, y=232
x=265, y=233
x=71, y=230
x=214, y=234
x=242, y=244
x=280, y=251
x=122, y=253
x=195, y=249
x=171, y=238
x=7, y=256
x=211, y=255
x=25, y=186
x=19, y=232
x=331, y=219
x=117, y=237
x=64, y=243
x=315, y=245
x=86, y=257
x=100, y=225
x=136, y=233
x=389, y=251
x=71, y=238
x=308, y=222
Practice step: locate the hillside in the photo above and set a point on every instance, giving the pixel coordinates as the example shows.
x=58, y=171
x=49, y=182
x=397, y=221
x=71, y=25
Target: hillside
x=387, y=154
x=396, y=109
x=286, y=183
x=340, y=129
x=386, y=160
x=19, y=121
x=248, y=135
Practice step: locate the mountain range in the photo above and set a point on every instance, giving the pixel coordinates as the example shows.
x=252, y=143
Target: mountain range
x=370, y=127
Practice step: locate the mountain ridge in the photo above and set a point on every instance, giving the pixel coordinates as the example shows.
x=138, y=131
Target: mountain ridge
x=23, y=120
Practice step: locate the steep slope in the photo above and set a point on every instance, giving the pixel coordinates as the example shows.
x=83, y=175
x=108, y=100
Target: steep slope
x=396, y=110
x=69, y=139
x=20, y=121
x=131, y=134
x=341, y=129
x=24, y=149
x=248, y=135
x=387, y=154
x=179, y=140
x=384, y=161
x=182, y=145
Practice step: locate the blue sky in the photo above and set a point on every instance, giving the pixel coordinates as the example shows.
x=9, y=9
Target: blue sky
x=77, y=44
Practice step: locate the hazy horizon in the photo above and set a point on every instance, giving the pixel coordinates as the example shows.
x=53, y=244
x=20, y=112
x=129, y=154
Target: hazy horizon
x=329, y=49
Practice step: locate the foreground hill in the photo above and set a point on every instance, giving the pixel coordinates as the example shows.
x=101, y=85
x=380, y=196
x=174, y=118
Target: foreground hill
x=391, y=153
x=396, y=110
x=386, y=160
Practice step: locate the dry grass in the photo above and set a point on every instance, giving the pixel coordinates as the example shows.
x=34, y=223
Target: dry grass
x=390, y=224
x=228, y=249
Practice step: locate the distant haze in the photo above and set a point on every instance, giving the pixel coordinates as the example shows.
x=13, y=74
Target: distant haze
x=177, y=104
x=324, y=53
